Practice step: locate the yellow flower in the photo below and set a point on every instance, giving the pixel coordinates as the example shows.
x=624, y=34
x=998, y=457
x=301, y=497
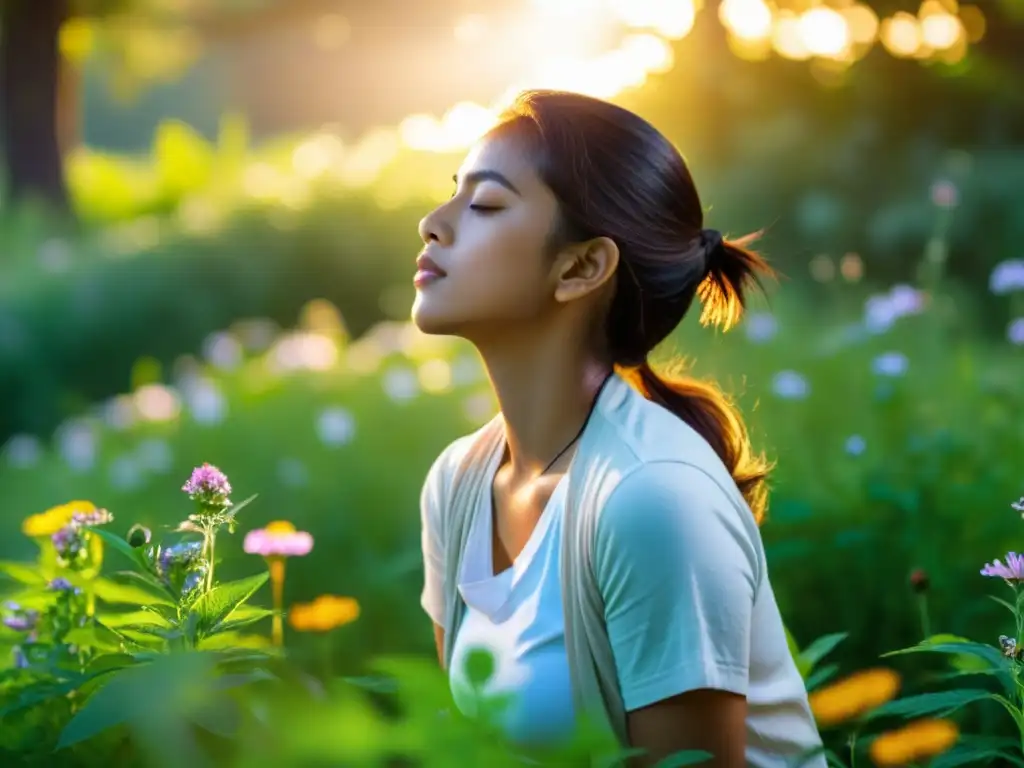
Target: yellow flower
x=854, y=696
x=52, y=520
x=325, y=613
x=915, y=742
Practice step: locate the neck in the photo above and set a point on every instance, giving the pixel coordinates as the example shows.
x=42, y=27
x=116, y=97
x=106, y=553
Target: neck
x=545, y=394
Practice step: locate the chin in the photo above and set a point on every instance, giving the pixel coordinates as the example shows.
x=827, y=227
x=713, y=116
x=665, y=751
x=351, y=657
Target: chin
x=433, y=320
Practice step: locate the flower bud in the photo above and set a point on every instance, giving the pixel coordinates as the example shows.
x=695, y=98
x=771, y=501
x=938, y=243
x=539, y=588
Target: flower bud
x=139, y=536
x=919, y=581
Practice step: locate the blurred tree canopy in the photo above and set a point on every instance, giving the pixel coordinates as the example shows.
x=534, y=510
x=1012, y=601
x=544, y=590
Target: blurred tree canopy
x=977, y=100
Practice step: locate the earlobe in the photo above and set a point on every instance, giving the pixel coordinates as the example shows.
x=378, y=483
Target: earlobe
x=585, y=267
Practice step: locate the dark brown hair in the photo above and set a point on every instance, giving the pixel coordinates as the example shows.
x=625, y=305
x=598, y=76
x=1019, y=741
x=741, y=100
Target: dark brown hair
x=617, y=176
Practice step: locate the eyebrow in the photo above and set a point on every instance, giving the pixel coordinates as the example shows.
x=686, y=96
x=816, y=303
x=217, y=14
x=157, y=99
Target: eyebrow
x=475, y=177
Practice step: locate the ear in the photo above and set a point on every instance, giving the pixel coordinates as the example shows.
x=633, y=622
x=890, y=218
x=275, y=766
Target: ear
x=582, y=268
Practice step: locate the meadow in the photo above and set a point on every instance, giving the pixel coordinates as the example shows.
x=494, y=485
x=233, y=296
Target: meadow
x=892, y=417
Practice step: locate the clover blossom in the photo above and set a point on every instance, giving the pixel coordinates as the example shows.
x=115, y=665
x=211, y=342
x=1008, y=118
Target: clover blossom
x=1012, y=571
x=208, y=486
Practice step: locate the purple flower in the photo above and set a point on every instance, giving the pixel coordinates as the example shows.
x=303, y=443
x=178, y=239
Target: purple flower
x=60, y=584
x=22, y=621
x=209, y=486
x=184, y=555
x=193, y=580
x=1012, y=571
x=68, y=541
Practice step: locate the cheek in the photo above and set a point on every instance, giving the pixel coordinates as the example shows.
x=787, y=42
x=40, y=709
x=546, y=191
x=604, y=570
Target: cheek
x=496, y=273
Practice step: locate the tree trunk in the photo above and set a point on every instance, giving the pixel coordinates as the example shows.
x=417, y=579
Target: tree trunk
x=30, y=69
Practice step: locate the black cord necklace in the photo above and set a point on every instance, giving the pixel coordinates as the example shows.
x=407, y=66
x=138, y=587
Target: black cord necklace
x=593, y=405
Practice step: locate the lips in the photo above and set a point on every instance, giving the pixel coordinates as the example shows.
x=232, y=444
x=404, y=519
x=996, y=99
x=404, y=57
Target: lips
x=426, y=264
x=427, y=271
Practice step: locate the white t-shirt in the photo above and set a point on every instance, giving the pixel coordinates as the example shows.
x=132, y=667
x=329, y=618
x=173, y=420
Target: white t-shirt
x=517, y=615
x=688, y=605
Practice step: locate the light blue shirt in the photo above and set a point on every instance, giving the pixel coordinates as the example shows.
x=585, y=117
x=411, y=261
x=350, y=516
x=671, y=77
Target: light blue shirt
x=685, y=597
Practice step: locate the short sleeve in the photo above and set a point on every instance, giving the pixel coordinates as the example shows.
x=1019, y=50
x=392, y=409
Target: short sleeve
x=432, y=541
x=678, y=564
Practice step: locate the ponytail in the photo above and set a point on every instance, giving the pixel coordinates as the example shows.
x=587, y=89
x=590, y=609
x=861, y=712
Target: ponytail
x=732, y=270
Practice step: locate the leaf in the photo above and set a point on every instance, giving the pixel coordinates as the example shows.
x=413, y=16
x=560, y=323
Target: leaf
x=985, y=652
x=794, y=651
x=686, y=757
x=24, y=574
x=122, y=546
x=163, y=685
x=821, y=647
x=95, y=636
x=39, y=693
x=820, y=676
x=110, y=662
x=150, y=630
x=236, y=508
x=243, y=616
x=230, y=640
x=220, y=718
x=979, y=750
x=134, y=589
x=104, y=710
x=216, y=605
x=941, y=703
x=135, y=618
x=375, y=684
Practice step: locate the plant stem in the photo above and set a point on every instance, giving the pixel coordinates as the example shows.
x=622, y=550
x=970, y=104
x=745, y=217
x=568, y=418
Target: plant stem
x=211, y=540
x=922, y=607
x=276, y=565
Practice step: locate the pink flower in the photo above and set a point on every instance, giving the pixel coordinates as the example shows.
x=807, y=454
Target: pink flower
x=278, y=539
x=1013, y=570
x=208, y=485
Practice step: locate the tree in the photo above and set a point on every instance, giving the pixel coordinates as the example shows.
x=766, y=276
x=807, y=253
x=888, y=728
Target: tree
x=38, y=97
x=30, y=74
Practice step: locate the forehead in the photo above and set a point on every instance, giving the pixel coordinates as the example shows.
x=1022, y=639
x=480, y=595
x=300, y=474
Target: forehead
x=508, y=156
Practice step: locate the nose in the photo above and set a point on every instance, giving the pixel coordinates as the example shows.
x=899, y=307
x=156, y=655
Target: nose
x=433, y=229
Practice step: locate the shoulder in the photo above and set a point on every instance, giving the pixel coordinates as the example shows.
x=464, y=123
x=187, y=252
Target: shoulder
x=643, y=442
x=666, y=491
x=671, y=508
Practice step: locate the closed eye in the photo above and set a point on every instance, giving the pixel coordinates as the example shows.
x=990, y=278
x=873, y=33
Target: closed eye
x=485, y=208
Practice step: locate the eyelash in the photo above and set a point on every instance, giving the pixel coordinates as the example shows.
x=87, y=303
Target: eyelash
x=484, y=209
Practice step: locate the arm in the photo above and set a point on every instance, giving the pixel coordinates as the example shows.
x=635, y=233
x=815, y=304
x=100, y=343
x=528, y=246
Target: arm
x=439, y=642
x=706, y=719
x=678, y=569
